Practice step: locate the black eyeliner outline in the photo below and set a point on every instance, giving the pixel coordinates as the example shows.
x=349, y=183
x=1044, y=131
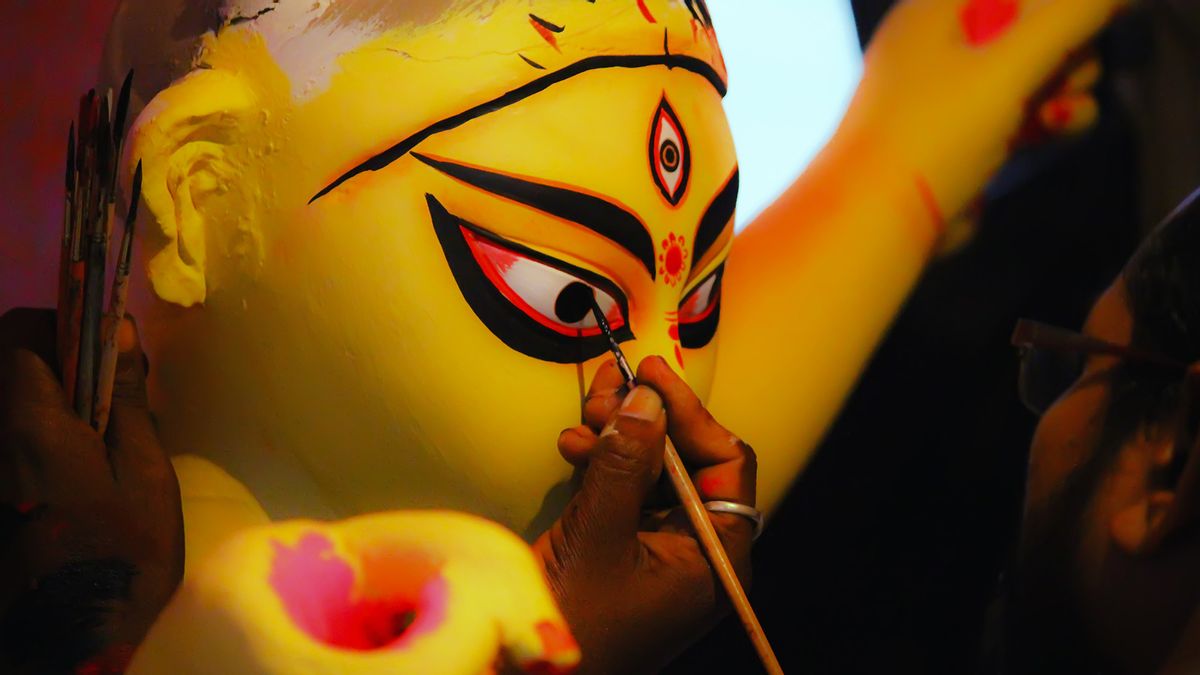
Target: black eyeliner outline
x=716, y=218
x=685, y=151
x=505, y=321
x=523, y=92
x=699, y=334
x=598, y=215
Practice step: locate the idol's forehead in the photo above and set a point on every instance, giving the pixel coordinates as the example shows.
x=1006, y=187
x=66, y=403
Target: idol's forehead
x=393, y=92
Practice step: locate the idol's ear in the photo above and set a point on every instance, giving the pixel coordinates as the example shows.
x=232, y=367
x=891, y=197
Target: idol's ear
x=191, y=140
x=1171, y=499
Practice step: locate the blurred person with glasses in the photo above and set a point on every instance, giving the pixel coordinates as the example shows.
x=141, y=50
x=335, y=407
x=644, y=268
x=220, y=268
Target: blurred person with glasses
x=1107, y=572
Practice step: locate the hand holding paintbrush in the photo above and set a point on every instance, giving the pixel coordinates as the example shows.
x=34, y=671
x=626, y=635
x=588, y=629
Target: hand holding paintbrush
x=86, y=335
x=638, y=586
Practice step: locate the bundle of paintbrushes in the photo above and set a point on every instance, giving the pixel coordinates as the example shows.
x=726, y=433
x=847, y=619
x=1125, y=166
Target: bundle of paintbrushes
x=87, y=335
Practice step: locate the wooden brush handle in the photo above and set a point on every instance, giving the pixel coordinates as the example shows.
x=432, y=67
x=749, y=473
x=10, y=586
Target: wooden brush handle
x=699, y=517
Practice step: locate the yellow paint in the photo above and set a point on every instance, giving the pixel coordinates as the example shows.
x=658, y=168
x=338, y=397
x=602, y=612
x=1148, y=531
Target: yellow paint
x=229, y=618
x=326, y=359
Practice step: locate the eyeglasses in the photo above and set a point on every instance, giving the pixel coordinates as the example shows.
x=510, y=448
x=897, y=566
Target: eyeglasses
x=1052, y=360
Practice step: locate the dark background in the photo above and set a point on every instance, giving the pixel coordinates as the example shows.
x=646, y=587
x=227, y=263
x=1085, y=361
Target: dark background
x=888, y=553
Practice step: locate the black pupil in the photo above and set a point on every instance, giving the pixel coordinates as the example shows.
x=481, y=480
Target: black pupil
x=574, y=302
x=670, y=155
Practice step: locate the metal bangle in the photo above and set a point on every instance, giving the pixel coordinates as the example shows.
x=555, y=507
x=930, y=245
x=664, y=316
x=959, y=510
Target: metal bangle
x=749, y=512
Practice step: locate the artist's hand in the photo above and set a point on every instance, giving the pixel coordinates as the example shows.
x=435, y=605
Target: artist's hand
x=91, y=532
x=636, y=590
x=950, y=87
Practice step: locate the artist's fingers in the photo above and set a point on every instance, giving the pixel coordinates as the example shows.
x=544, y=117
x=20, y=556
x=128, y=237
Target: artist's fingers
x=31, y=329
x=603, y=518
x=723, y=467
x=604, y=396
x=577, y=444
x=702, y=441
x=132, y=439
x=27, y=378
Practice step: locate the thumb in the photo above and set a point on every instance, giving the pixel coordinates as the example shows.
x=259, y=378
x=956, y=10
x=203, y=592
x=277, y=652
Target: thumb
x=605, y=515
x=131, y=436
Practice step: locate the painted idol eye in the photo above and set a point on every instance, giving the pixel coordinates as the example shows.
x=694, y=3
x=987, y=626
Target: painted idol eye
x=700, y=312
x=534, y=303
x=670, y=157
x=556, y=299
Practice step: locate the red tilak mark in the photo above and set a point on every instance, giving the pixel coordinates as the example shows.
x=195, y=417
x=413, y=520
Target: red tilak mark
x=673, y=331
x=317, y=588
x=931, y=204
x=986, y=20
x=646, y=11
x=672, y=258
x=546, y=34
x=679, y=356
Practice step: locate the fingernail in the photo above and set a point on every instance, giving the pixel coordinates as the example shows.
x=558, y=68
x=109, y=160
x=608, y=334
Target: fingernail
x=126, y=336
x=642, y=403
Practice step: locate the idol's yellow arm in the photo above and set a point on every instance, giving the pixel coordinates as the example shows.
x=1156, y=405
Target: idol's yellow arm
x=812, y=284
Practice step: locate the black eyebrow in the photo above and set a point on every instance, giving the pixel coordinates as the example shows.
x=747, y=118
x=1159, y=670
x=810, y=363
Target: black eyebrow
x=716, y=218
x=598, y=215
x=523, y=92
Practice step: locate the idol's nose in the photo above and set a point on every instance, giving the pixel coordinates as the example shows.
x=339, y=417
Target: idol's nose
x=656, y=338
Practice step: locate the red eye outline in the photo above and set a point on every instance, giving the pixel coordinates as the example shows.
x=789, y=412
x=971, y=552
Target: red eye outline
x=714, y=296
x=490, y=253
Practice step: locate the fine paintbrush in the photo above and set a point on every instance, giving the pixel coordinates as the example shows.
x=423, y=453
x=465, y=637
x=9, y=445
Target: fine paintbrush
x=73, y=314
x=96, y=258
x=62, y=319
x=120, y=293
x=696, y=512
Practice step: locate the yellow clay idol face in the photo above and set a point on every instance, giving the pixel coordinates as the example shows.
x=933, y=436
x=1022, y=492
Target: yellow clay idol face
x=427, y=232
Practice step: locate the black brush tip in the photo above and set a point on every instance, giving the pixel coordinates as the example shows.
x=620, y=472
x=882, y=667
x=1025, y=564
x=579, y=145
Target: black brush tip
x=135, y=195
x=122, y=107
x=71, y=159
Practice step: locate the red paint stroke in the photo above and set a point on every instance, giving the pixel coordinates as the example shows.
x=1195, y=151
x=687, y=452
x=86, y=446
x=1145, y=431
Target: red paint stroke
x=931, y=204
x=557, y=645
x=679, y=356
x=646, y=11
x=710, y=486
x=1060, y=113
x=546, y=34
x=673, y=331
x=983, y=21
x=112, y=661
x=316, y=587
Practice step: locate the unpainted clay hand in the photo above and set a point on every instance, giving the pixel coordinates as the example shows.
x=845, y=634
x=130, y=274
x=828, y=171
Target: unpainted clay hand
x=636, y=586
x=951, y=87
x=428, y=592
x=91, y=531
